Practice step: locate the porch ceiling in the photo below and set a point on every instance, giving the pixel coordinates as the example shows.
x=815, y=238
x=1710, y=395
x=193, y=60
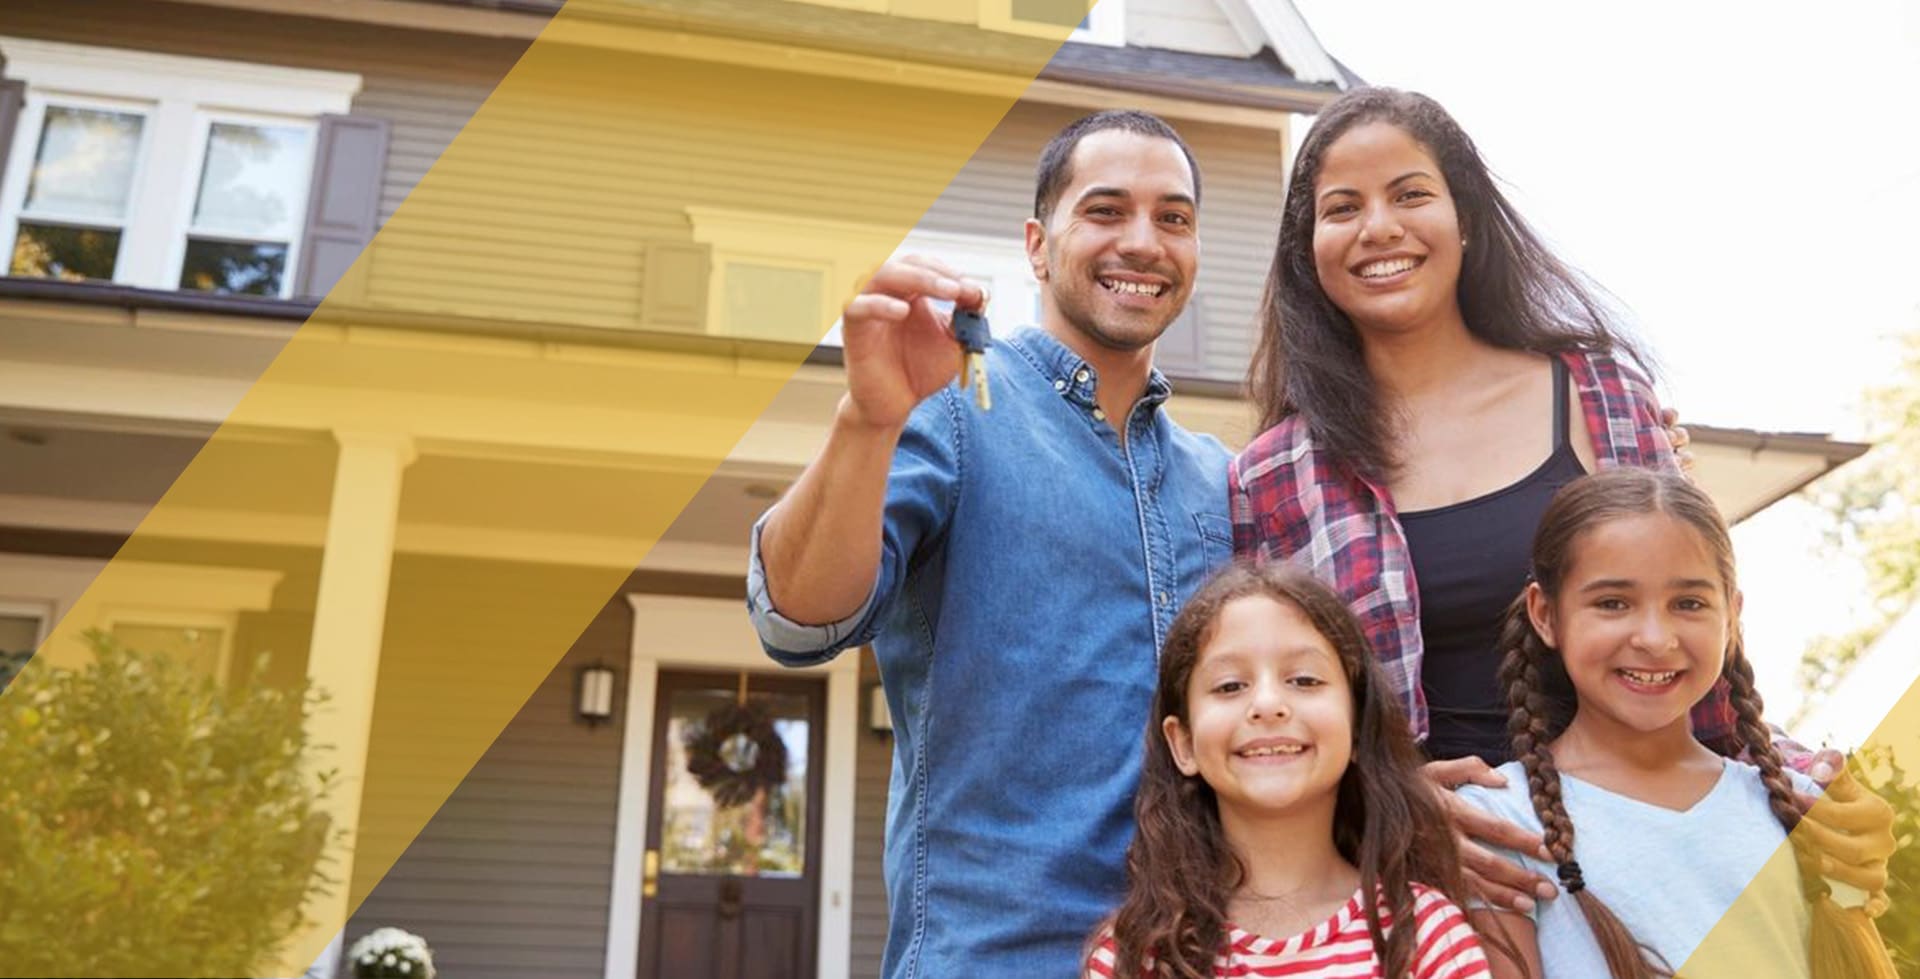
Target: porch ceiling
x=104, y=474
x=105, y=480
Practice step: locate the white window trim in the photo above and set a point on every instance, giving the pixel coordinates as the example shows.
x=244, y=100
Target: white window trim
x=40, y=610
x=83, y=596
x=181, y=97
x=842, y=251
x=176, y=619
x=1106, y=23
x=996, y=263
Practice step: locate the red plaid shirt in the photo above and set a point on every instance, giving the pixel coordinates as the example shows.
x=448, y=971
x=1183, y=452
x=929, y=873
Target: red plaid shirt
x=1290, y=500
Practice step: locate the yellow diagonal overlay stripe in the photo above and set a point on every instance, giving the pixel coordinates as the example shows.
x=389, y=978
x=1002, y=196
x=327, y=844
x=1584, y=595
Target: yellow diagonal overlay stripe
x=1774, y=902
x=558, y=337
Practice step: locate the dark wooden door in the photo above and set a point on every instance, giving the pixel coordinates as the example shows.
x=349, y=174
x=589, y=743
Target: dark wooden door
x=733, y=862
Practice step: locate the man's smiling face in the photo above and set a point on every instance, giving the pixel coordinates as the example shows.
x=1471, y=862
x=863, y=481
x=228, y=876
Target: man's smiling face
x=1120, y=245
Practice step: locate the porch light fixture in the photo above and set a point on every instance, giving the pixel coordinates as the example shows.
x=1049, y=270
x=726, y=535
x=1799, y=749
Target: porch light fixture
x=879, y=719
x=593, y=694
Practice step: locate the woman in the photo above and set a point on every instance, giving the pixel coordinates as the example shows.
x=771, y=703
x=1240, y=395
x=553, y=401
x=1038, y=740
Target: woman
x=1428, y=374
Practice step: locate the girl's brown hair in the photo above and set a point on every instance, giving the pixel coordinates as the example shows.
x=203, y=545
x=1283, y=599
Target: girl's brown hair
x=1387, y=821
x=1844, y=943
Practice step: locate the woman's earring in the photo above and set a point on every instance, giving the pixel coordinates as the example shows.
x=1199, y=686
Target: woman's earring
x=1463, y=241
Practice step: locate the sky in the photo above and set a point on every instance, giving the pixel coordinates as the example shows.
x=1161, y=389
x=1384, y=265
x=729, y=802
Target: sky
x=1743, y=177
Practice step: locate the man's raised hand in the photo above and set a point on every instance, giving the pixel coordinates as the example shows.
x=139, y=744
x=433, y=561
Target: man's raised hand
x=899, y=343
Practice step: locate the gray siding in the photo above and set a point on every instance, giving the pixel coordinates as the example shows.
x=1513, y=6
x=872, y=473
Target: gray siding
x=1241, y=194
x=873, y=767
x=427, y=113
x=512, y=874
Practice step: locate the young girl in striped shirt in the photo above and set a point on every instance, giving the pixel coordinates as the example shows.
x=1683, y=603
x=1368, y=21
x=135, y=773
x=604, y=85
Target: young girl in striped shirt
x=1284, y=828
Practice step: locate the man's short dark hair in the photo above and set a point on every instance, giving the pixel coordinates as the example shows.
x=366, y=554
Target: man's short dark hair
x=1056, y=161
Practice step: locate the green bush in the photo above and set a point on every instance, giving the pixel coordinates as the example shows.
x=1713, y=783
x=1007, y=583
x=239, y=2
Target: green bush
x=152, y=822
x=1900, y=926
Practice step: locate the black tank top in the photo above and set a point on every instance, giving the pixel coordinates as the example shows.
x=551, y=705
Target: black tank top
x=1470, y=562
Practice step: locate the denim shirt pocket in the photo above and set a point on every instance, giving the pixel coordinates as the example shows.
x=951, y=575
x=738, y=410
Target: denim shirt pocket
x=1216, y=540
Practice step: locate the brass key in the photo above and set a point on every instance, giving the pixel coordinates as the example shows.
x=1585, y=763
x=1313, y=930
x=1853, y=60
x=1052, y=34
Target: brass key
x=971, y=330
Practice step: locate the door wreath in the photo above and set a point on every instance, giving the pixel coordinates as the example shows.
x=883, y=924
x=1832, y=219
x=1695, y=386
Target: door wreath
x=735, y=752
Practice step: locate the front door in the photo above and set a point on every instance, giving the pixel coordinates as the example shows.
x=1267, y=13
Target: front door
x=732, y=868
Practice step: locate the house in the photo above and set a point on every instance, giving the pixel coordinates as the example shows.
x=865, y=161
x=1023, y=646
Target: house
x=521, y=441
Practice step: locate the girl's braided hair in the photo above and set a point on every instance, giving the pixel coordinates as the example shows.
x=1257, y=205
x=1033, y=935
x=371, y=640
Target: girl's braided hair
x=1541, y=701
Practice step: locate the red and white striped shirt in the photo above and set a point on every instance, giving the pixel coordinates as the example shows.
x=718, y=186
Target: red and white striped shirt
x=1340, y=948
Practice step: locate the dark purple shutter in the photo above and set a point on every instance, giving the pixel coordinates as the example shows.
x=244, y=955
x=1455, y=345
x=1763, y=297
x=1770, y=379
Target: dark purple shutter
x=343, y=205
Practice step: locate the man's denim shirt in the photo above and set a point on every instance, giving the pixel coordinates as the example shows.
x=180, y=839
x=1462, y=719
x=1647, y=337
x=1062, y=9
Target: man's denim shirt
x=1031, y=566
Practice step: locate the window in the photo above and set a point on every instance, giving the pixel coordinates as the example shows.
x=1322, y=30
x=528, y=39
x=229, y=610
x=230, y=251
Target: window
x=23, y=625
x=780, y=277
x=160, y=171
x=248, y=208
x=198, y=642
x=1103, y=23
x=74, y=215
x=998, y=264
x=768, y=300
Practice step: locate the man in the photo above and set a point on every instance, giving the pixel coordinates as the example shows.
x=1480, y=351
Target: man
x=1015, y=569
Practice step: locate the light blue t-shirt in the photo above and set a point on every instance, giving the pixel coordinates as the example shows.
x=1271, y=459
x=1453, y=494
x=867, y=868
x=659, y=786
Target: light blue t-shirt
x=1669, y=876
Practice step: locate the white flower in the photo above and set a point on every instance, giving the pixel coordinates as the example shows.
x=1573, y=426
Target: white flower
x=393, y=948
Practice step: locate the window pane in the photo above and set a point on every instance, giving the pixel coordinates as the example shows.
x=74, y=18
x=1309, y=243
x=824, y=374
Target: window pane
x=253, y=179
x=53, y=252
x=237, y=268
x=19, y=633
x=762, y=836
x=84, y=167
x=197, y=647
x=1061, y=12
x=767, y=302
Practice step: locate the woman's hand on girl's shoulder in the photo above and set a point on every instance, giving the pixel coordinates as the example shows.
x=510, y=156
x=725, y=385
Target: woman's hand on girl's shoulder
x=1498, y=880
x=1679, y=438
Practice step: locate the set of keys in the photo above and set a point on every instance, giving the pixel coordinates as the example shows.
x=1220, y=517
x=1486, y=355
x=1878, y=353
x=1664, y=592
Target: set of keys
x=970, y=329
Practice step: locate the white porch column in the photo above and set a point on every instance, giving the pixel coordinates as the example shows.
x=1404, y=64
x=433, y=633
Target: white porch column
x=350, y=613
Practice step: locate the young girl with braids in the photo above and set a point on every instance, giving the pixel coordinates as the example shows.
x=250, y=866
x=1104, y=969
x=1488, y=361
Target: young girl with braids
x=1631, y=617
x=1284, y=828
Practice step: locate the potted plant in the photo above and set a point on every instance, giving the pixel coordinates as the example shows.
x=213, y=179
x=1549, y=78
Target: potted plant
x=390, y=953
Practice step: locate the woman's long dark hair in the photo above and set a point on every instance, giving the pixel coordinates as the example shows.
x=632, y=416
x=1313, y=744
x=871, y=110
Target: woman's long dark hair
x=1844, y=943
x=1387, y=821
x=1513, y=292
